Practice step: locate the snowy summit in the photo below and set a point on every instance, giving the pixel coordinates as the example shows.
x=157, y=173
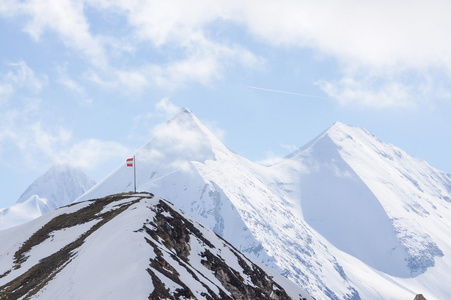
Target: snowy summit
x=347, y=216
x=59, y=186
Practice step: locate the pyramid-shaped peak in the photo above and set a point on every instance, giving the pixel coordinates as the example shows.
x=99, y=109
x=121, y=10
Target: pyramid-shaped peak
x=183, y=121
x=182, y=138
x=62, y=168
x=185, y=110
x=60, y=184
x=187, y=119
x=183, y=113
x=339, y=126
x=338, y=131
x=339, y=135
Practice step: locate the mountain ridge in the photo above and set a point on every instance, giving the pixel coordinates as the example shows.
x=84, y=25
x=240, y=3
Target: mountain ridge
x=346, y=216
x=173, y=155
x=184, y=162
x=142, y=244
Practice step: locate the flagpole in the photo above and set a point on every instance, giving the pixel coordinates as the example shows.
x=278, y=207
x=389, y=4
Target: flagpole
x=134, y=171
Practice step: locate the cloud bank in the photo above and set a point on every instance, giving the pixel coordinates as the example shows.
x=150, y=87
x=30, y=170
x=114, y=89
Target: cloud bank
x=372, y=41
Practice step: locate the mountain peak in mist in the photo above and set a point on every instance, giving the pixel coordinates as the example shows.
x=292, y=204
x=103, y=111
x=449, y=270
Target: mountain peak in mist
x=344, y=195
x=59, y=186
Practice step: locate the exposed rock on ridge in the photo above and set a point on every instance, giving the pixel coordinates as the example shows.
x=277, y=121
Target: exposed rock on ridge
x=134, y=245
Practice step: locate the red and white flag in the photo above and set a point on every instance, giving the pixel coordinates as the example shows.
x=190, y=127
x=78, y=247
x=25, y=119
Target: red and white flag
x=130, y=162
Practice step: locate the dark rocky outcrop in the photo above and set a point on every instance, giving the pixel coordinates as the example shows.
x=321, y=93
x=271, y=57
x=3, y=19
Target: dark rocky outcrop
x=186, y=260
x=175, y=232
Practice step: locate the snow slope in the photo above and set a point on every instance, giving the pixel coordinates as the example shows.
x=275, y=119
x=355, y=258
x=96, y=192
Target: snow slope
x=59, y=186
x=373, y=201
x=346, y=216
x=166, y=166
x=186, y=163
x=129, y=246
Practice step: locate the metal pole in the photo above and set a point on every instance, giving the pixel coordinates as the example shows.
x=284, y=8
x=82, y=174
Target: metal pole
x=134, y=171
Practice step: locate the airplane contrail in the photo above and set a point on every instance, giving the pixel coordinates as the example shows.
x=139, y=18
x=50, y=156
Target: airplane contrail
x=285, y=92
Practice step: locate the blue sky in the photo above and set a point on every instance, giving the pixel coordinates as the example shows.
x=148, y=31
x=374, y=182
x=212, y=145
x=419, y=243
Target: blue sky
x=86, y=82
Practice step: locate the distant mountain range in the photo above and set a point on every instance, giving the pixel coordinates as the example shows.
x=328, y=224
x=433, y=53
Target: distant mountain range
x=59, y=186
x=346, y=216
x=129, y=246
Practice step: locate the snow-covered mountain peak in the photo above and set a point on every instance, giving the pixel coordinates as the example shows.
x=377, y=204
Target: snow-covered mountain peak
x=329, y=140
x=367, y=202
x=341, y=134
x=182, y=139
x=183, y=114
x=57, y=187
x=351, y=142
x=61, y=168
x=186, y=163
x=376, y=193
x=185, y=110
x=60, y=185
x=172, y=164
x=340, y=126
x=174, y=148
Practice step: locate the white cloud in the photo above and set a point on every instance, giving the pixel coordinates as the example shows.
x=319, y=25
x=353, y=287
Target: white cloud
x=24, y=136
x=74, y=86
x=134, y=80
x=270, y=159
x=379, y=33
x=387, y=89
x=372, y=41
x=163, y=22
x=273, y=158
x=177, y=142
x=71, y=84
x=65, y=17
x=402, y=36
x=364, y=36
x=68, y=82
x=289, y=148
x=206, y=62
x=154, y=124
x=39, y=145
x=45, y=140
x=175, y=24
x=167, y=108
x=351, y=91
x=215, y=129
x=5, y=91
x=34, y=142
x=24, y=76
x=163, y=110
x=370, y=33
x=131, y=81
x=181, y=137
x=89, y=154
x=201, y=64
